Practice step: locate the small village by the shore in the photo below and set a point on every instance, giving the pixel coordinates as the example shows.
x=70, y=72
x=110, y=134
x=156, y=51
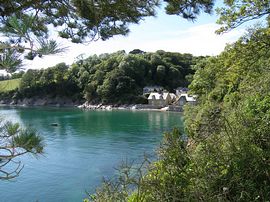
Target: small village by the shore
x=158, y=98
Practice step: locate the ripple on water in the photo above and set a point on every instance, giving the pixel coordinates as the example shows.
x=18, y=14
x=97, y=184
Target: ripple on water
x=83, y=148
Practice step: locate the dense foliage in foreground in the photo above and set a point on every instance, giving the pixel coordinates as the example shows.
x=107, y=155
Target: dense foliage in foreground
x=230, y=125
x=110, y=78
x=227, y=155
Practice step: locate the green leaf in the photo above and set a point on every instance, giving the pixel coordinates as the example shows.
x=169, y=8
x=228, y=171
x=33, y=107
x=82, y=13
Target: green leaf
x=30, y=141
x=48, y=47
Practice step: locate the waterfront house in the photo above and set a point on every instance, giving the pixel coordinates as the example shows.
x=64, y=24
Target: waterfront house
x=185, y=98
x=159, y=99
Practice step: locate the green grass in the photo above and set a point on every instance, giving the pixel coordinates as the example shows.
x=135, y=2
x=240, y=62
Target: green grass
x=9, y=85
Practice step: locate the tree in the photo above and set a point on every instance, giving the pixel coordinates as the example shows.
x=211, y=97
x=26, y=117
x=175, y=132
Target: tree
x=81, y=20
x=232, y=14
x=21, y=37
x=189, y=9
x=15, y=142
x=84, y=20
x=30, y=79
x=9, y=60
x=161, y=74
x=229, y=126
x=237, y=12
x=27, y=24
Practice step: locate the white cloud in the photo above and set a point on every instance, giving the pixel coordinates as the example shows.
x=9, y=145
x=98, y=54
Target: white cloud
x=197, y=40
x=3, y=72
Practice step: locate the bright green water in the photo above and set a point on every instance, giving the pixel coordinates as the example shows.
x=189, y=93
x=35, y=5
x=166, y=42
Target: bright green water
x=86, y=146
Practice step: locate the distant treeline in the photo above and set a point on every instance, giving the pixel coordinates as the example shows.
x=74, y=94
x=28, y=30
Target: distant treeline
x=110, y=78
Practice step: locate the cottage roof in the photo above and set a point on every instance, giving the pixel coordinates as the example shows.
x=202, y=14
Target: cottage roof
x=188, y=98
x=172, y=95
x=156, y=96
x=165, y=95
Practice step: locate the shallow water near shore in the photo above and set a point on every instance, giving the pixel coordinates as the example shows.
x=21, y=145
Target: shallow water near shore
x=81, y=148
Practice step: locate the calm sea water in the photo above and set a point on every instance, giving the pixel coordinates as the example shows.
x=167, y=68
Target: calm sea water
x=86, y=146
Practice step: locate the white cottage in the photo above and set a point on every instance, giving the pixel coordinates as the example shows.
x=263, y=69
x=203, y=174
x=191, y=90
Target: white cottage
x=185, y=98
x=159, y=99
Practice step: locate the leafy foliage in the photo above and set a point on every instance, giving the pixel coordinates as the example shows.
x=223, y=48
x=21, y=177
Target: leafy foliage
x=116, y=78
x=15, y=142
x=237, y=12
x=25, y=23
x=79, y=20
x=189, y=9
x=9, y=60
x=230, y=124
x=49, y=47
x=55, y=81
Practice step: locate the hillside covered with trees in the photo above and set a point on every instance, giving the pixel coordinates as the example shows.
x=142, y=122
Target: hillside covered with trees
x=116, y=78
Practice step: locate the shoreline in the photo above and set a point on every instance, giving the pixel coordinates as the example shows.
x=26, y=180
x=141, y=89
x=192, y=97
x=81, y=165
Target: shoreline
x=88, y=107
x=102, y=107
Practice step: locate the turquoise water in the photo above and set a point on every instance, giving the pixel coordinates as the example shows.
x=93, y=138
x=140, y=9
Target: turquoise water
x=86, y=146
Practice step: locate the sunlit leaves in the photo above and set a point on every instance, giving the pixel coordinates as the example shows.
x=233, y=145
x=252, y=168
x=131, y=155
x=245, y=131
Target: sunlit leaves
x=230, y=124
x=19, y=27
x=49, y=47
x=236, y=12
x=29, y=141
x=14, y=142
x=189, y=10
x=10, y=60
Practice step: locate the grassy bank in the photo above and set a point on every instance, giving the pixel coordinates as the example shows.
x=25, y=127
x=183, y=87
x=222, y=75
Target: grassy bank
x=9, y=85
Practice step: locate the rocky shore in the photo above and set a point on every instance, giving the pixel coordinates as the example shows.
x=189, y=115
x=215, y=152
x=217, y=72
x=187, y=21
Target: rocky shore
x=62, y=102
x=144, y=107
x=37, y=101
x=67, y=102
x=90, y=106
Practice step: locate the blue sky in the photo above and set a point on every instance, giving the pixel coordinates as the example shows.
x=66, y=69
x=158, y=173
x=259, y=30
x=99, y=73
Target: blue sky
x=164, y=32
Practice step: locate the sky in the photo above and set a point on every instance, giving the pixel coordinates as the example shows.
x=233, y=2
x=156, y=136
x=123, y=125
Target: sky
x=163, y=32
